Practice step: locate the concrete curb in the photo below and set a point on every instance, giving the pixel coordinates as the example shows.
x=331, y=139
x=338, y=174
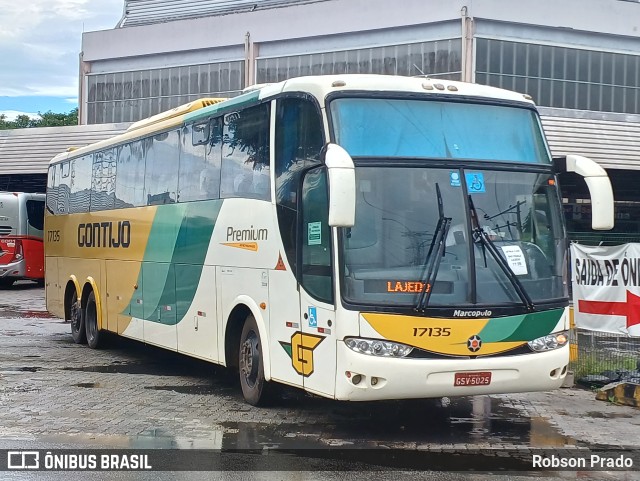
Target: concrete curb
x=625, y=393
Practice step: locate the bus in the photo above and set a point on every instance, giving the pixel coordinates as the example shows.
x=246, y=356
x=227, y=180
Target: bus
x=21, y=243
x=360, y=237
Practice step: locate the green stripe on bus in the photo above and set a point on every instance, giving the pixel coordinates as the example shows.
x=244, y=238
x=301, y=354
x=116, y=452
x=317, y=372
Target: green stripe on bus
x=521, y=328
x=172, y=265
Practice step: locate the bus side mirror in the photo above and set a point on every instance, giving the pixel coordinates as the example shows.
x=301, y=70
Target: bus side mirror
x=342, y=186
x=599, y=185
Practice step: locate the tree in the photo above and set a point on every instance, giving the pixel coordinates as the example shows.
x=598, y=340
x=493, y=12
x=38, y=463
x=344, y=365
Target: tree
x=47, y=119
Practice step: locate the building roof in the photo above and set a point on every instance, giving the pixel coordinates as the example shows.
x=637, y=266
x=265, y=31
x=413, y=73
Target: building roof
x=145, y=12
x=28, y=151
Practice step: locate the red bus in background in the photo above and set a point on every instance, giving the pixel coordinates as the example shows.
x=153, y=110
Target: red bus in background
x=21, y=237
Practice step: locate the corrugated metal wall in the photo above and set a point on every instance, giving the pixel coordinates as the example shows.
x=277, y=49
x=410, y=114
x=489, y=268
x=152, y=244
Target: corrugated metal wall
x=612, y=140
x=144, y=12
x=28, y=151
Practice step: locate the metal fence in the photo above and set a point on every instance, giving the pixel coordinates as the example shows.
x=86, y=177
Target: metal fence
x=595, y=353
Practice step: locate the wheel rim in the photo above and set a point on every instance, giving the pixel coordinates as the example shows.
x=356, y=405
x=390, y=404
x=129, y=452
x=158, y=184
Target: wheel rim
x=76, y=317
x=250, y=359
x=92, y=325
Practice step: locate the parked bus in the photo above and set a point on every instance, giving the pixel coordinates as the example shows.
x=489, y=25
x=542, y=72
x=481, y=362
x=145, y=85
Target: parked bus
x=361, y=237
x=21, y=244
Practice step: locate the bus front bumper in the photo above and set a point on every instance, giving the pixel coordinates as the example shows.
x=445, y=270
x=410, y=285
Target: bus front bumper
x=404, y=378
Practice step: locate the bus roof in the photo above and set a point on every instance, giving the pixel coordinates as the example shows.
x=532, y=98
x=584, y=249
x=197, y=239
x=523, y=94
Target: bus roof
x=319, y=86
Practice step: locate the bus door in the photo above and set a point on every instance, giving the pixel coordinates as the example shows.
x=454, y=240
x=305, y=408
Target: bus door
x=315, y=348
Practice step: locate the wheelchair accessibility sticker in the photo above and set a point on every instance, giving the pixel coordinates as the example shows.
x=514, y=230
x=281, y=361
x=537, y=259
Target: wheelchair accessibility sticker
x=313, y=317
x=475, y=182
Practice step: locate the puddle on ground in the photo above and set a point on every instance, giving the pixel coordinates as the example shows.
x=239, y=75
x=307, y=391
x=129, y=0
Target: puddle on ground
x=197, y=389
x=22, y=369
x=10, y=312
x=601, y=415
x=131, y=368
x=88, y=384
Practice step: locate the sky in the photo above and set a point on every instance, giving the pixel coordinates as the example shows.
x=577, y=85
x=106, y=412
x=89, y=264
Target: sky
x=40, y=43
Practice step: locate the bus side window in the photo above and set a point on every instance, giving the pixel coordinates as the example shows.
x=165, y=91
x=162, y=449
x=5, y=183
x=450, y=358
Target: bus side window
x=64, y=188
x=52, y=189
x=299, y=140
x=200, y=157
x=35, y=217
x=103, y=180
x=161, y=174
x=316, y=272
x=245, y=154
x=130, y=178
x=80, y=188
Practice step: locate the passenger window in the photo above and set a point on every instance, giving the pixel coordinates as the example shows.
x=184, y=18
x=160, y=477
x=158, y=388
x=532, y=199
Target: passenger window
x=317, y=277
x=64, y=188
x=80, y=185
x=52, y=189
x=161, y=160
x=245, y=154
x=35, y=216
x=103, y=181
x=200, y=160
x=130, y=179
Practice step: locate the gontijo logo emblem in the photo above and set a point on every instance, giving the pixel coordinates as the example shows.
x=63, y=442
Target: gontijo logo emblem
x=300, y=350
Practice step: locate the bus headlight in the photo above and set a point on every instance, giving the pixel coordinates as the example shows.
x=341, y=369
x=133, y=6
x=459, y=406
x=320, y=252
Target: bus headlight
x=377, y=347
x=550, y=342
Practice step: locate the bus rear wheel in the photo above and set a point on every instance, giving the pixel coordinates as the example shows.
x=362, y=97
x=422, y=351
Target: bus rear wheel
x=94, y=337
x=6, y=283
x=77, y=323
x=255, y=389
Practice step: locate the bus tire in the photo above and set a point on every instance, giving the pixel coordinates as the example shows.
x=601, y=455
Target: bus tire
x=255, y=389
x=77, y=323
x=94, y=337
x=6, y=283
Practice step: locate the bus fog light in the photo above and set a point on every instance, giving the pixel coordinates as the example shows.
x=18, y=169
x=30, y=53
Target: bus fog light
x=377, y=347
x=356, y=379
x=550, y=342
x=374, y=381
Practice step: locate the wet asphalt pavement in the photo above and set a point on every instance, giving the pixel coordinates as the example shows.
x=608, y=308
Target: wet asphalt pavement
x=56, y=394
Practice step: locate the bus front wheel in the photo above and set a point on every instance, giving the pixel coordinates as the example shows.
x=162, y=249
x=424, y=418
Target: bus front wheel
x=77, y=323
x=255, y=389
x=94, y=337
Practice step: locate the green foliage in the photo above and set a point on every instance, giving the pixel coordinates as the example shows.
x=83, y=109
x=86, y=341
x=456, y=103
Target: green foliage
x=595, y=363
x=47, y=119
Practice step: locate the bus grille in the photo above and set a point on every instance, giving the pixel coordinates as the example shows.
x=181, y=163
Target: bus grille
x=5, y=229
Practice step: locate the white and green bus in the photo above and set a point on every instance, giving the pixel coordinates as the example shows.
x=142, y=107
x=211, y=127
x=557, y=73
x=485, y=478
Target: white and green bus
x=360, y=237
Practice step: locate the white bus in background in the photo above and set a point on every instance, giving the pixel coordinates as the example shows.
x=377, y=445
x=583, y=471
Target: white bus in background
x=361, y=237
x=21, y=243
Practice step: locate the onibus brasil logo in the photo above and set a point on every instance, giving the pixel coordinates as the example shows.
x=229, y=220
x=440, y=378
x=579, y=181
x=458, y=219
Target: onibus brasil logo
x=300, y=350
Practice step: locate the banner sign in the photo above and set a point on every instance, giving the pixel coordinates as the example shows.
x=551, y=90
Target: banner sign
x=606, y=288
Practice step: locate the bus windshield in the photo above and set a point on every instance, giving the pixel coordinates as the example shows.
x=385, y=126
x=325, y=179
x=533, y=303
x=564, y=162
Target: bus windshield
x=408, y=128
x=387, y=251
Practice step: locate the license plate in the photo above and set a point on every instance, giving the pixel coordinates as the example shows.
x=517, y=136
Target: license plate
x=472, y=379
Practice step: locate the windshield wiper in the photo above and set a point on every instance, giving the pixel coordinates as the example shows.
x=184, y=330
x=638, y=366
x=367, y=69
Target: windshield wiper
x=481, y=237
x=434, y=256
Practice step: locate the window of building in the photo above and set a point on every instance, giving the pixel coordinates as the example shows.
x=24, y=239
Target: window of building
x=441, y=58
x=135, y=95
x=562, y=77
